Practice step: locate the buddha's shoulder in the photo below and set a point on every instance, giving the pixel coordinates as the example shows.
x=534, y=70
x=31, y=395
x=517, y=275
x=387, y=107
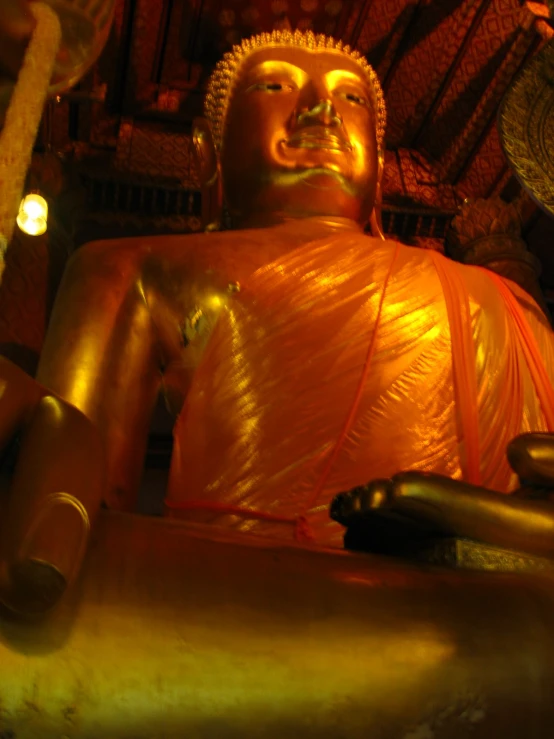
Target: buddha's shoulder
x=137, y=248
x=422, y=258
x=402, y=256
x=175, y=249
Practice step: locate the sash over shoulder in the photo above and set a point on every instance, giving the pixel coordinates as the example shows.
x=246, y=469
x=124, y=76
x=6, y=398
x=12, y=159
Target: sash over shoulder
x=351, y=359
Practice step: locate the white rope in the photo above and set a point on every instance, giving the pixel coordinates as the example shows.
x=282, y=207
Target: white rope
x=17, y=138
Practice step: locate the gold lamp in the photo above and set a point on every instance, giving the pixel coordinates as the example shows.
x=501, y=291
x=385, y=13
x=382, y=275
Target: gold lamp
x=33, y=214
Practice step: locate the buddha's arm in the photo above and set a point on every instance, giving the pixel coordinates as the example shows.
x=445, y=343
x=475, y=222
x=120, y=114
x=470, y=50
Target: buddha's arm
x=53, y=496
x=101, y=355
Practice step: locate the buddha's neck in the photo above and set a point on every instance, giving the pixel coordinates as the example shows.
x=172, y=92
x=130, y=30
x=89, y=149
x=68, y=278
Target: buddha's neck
x=315, y=225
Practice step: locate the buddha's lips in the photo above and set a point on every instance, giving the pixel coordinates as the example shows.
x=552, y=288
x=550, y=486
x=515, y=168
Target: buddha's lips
x=318, y=140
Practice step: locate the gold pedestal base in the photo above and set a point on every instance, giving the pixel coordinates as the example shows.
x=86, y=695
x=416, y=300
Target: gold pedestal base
x=179, y=631
x=465, y=554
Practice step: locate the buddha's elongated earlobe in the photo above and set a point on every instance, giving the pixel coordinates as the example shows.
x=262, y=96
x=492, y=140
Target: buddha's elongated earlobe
x=207, y=162
x=375, y=221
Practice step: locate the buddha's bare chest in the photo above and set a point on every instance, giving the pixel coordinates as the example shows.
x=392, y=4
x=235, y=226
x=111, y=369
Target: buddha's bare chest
x=186, y=293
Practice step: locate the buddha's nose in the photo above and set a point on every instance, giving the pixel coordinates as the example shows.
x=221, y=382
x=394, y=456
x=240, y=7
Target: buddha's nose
x=323, y=113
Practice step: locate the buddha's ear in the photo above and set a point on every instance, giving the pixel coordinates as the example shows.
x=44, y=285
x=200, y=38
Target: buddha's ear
x=207, y=163
x=375, y=219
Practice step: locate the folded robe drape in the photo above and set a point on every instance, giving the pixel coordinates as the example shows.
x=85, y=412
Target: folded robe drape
x=288, y=406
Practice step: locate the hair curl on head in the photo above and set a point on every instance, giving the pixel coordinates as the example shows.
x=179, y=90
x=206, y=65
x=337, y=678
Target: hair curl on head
x=224, y=77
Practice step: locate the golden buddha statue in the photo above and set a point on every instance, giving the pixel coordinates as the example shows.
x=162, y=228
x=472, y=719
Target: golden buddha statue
x=301, y=357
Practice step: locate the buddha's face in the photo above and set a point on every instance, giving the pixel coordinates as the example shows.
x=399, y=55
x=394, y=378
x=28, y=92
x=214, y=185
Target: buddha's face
x=300, y=138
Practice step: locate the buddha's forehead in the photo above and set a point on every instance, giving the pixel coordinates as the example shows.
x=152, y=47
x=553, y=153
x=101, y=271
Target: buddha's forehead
x=310, y=62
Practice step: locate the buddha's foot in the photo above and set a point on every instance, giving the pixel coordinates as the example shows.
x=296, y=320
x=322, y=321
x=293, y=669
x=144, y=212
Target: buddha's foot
x=395, y=516
x=360, y=501
x=374, y=524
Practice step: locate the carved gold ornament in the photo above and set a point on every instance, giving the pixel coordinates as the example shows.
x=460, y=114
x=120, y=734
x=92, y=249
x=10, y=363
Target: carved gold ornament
x=526, y=125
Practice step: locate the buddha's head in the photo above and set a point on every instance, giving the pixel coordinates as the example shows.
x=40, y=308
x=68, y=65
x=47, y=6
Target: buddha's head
x=295, y=126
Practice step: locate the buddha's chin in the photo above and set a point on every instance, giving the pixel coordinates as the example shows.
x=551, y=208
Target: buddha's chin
x=322, y=179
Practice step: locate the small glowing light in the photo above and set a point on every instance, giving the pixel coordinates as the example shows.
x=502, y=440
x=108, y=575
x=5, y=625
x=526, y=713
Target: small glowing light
x=33, y=214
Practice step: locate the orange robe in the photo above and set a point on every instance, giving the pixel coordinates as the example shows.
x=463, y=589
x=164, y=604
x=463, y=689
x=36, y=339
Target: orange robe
x=351, y=359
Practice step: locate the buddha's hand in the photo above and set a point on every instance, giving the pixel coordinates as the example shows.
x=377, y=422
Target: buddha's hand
x=16, y=27
x=53, y=496
x=419, y=504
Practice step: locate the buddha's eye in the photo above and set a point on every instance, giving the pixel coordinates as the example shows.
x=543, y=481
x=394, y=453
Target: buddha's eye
x=270, y=86
x=353, y=98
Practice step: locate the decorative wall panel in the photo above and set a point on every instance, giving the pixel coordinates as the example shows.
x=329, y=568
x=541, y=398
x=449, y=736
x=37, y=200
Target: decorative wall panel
x=426, y=60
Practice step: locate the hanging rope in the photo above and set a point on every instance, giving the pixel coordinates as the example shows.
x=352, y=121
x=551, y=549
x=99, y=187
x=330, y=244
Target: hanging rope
x=17, y=138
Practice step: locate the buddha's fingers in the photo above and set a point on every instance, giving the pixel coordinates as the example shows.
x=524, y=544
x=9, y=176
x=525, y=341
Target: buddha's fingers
x=531, y=456
x=55, y=496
